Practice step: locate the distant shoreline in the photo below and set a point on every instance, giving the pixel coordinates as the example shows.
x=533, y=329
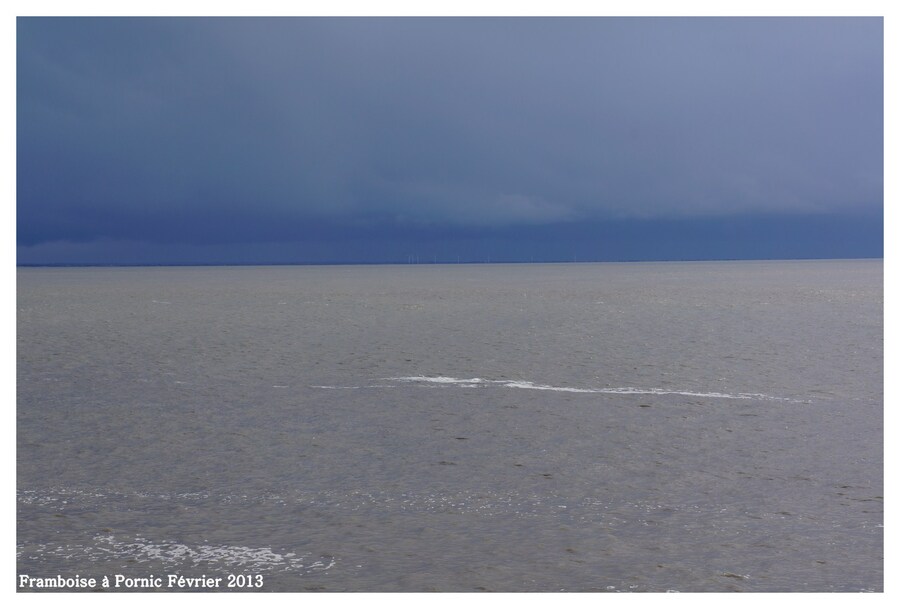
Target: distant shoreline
x=386, y=263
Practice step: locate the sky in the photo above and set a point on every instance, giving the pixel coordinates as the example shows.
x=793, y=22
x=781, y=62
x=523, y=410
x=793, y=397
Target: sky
x=368, y=140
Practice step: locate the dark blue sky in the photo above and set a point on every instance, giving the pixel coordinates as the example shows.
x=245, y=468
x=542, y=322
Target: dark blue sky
x=373, y=140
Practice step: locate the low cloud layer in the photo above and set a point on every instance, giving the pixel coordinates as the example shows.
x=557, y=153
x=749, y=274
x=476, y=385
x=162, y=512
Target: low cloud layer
x=199, y=131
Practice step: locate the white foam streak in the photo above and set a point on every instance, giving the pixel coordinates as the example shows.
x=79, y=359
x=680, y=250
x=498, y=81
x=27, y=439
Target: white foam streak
x=518, y=384
x=174, y=553
x=334, y=387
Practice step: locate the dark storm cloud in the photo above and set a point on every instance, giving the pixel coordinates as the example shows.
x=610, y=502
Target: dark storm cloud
x=205, y=131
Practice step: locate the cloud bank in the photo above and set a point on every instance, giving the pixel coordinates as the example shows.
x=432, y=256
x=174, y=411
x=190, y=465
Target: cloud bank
x=238, y=131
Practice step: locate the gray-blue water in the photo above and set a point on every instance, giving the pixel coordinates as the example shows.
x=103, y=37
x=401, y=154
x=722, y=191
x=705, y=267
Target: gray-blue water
x=589, y=427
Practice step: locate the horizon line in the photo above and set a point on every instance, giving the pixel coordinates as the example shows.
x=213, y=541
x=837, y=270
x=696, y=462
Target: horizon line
x=426, y=263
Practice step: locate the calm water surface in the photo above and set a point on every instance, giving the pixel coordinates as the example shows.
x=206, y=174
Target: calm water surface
x=590, y=427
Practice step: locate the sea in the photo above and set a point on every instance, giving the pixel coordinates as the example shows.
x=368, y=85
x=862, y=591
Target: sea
x=608, y=427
